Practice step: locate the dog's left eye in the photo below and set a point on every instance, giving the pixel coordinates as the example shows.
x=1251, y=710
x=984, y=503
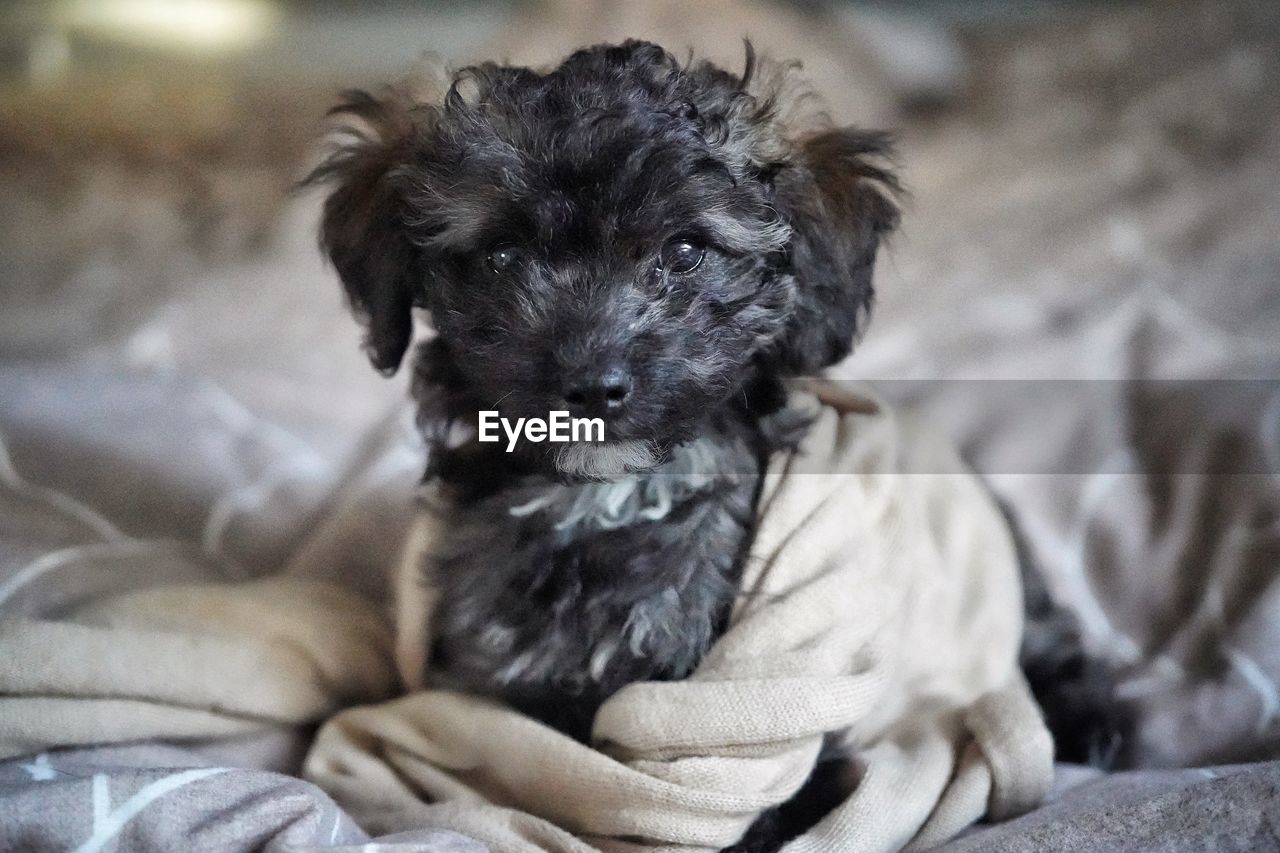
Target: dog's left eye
x=681, y=255
x=503, y=258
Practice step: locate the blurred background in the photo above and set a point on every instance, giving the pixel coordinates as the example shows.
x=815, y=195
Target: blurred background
x=1094, y=143
x=1094, y=195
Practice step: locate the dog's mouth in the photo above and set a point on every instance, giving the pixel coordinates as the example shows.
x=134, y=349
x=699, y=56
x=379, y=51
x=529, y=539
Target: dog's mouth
x=606, y=461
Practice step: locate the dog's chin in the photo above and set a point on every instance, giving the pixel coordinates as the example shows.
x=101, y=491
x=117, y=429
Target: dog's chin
x=604, y=462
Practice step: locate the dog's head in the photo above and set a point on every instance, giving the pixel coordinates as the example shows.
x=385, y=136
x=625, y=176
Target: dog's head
x=624, y=236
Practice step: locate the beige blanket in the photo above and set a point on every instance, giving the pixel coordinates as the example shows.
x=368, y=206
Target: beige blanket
x=883, y=609
x=188, y=662
x=883, y=613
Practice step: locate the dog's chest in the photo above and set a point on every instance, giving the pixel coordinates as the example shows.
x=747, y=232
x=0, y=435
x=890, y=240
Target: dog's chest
x=553, y=593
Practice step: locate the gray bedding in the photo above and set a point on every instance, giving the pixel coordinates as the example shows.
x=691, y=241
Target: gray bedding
x=158, y=797
x=1107, y=214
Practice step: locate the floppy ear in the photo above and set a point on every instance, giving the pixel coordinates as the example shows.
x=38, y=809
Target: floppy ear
x=363, y=225
x=839, y=203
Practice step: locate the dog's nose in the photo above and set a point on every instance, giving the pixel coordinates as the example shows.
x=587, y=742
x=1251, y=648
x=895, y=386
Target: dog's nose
x=599, y=394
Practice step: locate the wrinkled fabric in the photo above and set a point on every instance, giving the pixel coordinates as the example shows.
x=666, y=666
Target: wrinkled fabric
x=880, y=608
x=189, y=661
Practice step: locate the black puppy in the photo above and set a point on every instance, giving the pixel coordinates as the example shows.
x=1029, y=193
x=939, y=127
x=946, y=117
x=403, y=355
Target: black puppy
x=625, y=237
x=656, y=244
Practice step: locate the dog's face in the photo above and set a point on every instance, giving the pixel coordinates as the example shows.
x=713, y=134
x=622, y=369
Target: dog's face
x=621, y=237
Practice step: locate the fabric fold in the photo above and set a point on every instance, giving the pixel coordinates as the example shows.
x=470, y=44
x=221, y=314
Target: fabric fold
x=880, y=617
x=190, y=661
x=881, y=614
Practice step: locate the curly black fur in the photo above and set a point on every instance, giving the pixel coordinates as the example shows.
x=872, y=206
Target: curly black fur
x=583, y=174
x=527, y=213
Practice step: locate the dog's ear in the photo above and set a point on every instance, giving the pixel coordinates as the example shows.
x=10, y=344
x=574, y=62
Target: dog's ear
x=363, y=225
x=838, y=197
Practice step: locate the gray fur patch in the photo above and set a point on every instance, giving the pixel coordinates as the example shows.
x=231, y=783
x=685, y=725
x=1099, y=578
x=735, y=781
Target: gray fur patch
x=607, y=461
x=648, y=496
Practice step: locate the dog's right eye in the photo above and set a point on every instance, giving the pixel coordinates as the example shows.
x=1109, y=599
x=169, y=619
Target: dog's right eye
x=503, y=258
x=681, y=255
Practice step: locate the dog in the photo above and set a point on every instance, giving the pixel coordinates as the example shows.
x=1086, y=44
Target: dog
x=657, y=244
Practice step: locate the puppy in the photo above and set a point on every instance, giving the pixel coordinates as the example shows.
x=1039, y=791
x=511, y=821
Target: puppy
x=626, y=237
